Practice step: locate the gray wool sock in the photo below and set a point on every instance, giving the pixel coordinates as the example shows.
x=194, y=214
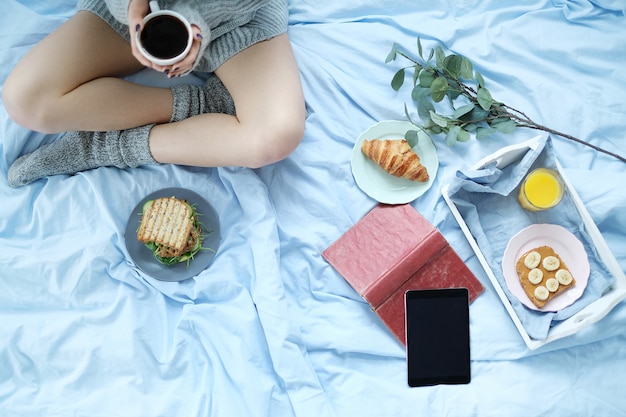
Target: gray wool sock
x=191, y=100
x=81, y=151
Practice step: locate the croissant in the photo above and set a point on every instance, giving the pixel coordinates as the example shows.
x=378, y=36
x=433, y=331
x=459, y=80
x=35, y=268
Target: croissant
x=396, y=157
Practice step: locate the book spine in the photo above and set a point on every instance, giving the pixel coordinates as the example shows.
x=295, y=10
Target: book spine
x=404, y=269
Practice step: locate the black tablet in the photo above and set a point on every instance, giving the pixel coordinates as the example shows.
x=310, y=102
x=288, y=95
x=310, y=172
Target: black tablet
x=437, y=336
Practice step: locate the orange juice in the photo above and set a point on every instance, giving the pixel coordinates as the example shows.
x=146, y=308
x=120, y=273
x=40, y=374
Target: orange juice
x=542, y=189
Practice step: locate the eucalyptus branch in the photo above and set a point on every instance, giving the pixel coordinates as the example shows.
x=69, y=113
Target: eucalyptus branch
x=475, y=110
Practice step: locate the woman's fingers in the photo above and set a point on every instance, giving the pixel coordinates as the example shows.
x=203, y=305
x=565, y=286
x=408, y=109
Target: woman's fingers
x=183, y=67
x=137, y=10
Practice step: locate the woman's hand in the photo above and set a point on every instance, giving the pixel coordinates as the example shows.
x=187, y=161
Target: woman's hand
x=137, y=10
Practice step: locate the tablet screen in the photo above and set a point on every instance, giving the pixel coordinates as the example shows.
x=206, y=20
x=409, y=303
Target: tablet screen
x=437, y=336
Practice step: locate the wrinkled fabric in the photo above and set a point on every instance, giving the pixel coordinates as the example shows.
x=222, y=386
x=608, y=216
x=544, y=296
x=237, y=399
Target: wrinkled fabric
x=270, y=328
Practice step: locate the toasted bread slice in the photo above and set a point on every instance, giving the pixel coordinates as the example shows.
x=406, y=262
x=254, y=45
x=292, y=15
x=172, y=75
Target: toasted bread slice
x=544, y=274
x=167, y=221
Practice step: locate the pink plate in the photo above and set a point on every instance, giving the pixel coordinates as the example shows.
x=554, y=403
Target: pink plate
x=565, y=244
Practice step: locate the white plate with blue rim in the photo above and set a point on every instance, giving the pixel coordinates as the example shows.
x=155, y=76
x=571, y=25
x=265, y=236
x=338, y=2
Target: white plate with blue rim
x=382, y=186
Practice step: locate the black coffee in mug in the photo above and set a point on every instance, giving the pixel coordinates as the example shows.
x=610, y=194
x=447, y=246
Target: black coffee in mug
x=164, y=37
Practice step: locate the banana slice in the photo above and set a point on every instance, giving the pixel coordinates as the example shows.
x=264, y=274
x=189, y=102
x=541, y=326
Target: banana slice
x=532, y=260
x=541, y=293
x=551, y=263
x=535, y=276
x=552, y=284
x=564, y=277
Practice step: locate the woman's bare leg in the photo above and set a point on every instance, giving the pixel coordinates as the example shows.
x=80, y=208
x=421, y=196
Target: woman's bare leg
x=265, y=85
x=70, y=81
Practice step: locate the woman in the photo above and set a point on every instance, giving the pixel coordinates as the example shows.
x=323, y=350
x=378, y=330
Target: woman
x=251, y=114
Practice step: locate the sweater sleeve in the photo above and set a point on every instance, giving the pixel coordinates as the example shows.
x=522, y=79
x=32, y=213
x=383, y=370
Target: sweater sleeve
x=119, y=10
x=214, y=18
x=218, y=16
x=190, y=10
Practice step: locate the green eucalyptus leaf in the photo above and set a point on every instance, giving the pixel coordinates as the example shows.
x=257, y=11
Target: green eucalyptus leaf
x=426, y=78
x=463, y=135
x=453, y=93
x=419, y=47
x=451, y=136
x=467, y=69
x=456, y=88
x=424, y=107
x=440, y=55
x=416, y=72
x=398, y=79
x=439, y=89
x=419, y=92
x=452, y=65
x=470, y=127
x=497, y=120
x=482, y=132
x=484, y=98
x=431, y=127
x=438, y=119
x=476, y=115
x=412, y=138
x=430, y=55
x=505, y=126
x=435, y=130
x=479, y=79
x=463, y=110
x=392, y=54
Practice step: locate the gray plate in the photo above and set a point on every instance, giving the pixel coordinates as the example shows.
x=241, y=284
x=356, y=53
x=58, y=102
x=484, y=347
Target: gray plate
x=144, y=258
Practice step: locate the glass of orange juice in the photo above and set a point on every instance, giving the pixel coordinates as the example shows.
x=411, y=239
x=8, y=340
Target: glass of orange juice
x=542, y=189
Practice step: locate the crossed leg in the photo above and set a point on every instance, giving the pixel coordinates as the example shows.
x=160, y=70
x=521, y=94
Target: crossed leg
x=264, y=83
x=71, y=81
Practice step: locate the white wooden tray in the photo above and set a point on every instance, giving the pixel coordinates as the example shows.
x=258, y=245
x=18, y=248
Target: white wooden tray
x=594, y=311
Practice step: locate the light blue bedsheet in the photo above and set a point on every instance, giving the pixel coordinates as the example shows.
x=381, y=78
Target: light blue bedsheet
x=270, y=329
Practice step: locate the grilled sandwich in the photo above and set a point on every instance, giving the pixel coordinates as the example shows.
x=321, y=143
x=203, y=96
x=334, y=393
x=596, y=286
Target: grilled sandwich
x=170, y=228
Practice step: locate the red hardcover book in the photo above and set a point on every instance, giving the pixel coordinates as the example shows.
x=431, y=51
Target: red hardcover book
x=394, y=249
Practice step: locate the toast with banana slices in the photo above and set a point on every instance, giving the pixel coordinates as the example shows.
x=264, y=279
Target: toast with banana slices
x=543, y=275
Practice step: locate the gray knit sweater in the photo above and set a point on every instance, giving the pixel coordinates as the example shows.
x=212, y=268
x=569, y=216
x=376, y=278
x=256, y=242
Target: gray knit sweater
x=227, y=26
